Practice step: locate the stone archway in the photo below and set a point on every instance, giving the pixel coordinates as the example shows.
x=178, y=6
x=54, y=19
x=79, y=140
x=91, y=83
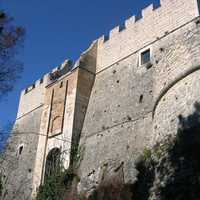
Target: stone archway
x=52, y=163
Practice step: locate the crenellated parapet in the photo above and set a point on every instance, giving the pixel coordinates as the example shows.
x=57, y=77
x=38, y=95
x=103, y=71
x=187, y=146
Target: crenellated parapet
x=125, y=93
x=48, y=78
x=137, y=32
x=33, y=96
x=153, y=10
x=146, y=12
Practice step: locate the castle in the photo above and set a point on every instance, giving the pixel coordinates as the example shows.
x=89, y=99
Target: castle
x=123, y=95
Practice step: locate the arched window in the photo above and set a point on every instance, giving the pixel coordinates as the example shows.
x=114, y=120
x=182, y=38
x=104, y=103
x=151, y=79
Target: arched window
x=52, y=163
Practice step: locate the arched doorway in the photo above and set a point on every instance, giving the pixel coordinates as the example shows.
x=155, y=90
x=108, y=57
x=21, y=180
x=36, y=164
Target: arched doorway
x=52, y=163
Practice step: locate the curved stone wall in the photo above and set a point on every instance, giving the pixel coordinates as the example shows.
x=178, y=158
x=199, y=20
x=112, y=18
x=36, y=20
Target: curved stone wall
x=176, y=56
x=178, y=101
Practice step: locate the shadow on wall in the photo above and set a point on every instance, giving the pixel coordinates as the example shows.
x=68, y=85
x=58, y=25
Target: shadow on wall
x=169, y=171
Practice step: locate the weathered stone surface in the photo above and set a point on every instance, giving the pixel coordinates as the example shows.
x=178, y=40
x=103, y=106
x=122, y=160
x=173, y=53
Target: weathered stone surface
x=18, y=167
x=115, y=106
x=130, y=172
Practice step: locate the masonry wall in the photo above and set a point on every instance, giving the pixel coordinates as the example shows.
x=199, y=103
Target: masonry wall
x=131, y=105
x=18, y=168
x=176, y=79
x=32, y=97
x=61, y=103
x=117, y=106
x=137, y=33
x=176, y=55
x=84, y=86
x=180, y=100
x=118, y=121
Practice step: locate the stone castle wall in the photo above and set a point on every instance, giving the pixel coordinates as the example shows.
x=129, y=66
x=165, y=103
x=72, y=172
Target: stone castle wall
x=18, y=167
x=31, y=98
x=126, y=113
x=59, y=104
x=153, y=23
x=114, y=105
x=177, y=79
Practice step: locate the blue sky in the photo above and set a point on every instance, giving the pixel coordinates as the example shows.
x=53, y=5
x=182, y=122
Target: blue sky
x=57, y=30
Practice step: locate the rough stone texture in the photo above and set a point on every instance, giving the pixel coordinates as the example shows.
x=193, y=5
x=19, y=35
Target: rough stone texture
x=116, y=94
x=118, y=126
x=154, y=24
x=72, y=98
x=32, y=97
x=176, y=78
x=118, y=143
x=115, y=106
x=84, y=85
x=179, y=100
x=176, y=55
x=58, y=107
x=62, y=140
x=18, y=169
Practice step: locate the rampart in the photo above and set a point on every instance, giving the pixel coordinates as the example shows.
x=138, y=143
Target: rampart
x=131, y=105
x=138, y=32
x=33, y=96
x=115, y=105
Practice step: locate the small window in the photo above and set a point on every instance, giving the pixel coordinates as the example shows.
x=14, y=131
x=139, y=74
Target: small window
x=61, y=84
x=20, y=149
x=145, y=56
x=141, y=98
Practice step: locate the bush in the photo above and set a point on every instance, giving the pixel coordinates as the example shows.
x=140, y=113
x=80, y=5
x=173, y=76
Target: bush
x=56, y=186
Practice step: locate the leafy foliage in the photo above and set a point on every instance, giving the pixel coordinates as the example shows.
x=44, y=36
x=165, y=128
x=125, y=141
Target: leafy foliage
x=56, y=186
x=173, y=169
x=11, y=38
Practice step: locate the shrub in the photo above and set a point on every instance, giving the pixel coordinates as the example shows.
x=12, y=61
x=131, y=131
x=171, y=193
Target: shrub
x=56, y=186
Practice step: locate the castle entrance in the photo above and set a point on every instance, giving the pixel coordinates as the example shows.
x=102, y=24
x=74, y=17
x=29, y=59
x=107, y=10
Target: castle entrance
x=52, y=163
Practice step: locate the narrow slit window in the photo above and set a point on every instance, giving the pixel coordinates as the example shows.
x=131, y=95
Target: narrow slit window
x=145, y=57
x=20, y=150
x=141, y=99
x=61, y=84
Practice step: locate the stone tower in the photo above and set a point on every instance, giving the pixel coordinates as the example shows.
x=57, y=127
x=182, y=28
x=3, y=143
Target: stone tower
x=50, y=116
x=123, y=95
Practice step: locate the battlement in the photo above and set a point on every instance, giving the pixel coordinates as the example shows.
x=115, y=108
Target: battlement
x=48, y=78
x=152, y=23
x=33, y=86
x=130, y=22
x=137, y=32
x=147, y=12
x=33, y=96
